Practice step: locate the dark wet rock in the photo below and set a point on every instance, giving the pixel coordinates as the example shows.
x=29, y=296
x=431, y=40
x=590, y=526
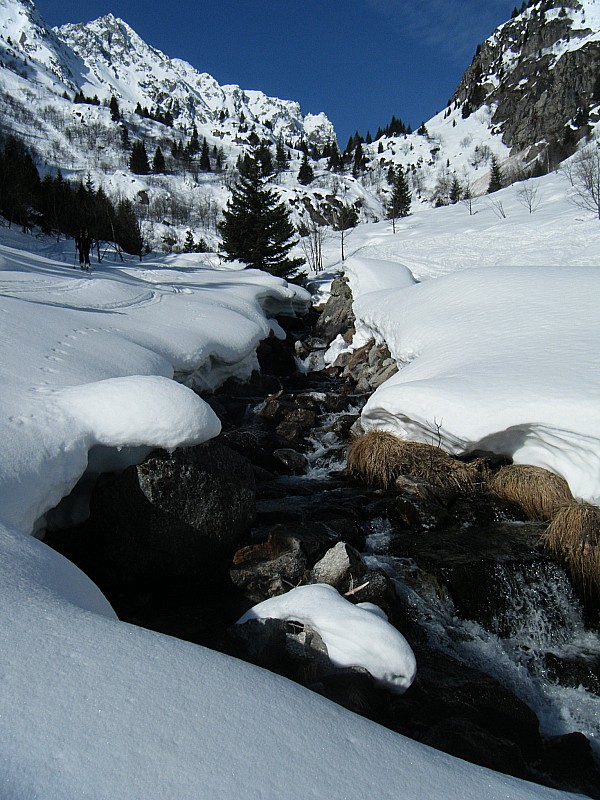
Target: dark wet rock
x=269, y=568
x=174, y=517
x=445, y=689
x=314, y=538
x=574, y=672
x=467, y=740
x=474, y=564
x=353, y=689
x=343, y=425
x=376, y=587
x=337, y=315
x=275, y=357
x=295, y=424
x=261, y=642
x=569, y=763
x=419, y=516
x=291, y=460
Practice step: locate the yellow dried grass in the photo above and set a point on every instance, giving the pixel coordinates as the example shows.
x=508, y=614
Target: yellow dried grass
x=380, y=458
x=540, y=493
x=573, y=536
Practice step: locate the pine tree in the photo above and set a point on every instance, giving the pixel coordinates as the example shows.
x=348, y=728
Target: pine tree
x=205, y=157
x=189, y=244
x=305, y=174
x=124, y=137
x=138, y=161
x=360, y=160
x=281, y=159
x=127, y=229
x=496, y=179
x=399, y=205
x=256, y=228
x=335, y=159
x=194, y=143
x=115, y=112
x=158, y=162
x=455, y=191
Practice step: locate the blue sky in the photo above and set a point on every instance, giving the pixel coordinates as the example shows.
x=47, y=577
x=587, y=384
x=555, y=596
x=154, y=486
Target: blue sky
x=359, y=61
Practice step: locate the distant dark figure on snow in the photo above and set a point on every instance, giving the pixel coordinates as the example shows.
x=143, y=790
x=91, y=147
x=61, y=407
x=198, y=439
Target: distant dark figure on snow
x=83, y=244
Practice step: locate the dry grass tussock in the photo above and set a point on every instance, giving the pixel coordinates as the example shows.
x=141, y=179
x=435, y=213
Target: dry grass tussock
x=539, y=493
x=379, y=458
x=573, y=536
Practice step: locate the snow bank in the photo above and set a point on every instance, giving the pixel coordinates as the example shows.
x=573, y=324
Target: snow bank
x=355, y=636
x=86, y=362
x=504, y=359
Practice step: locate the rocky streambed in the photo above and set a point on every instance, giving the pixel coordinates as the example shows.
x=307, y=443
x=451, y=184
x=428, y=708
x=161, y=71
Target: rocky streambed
x=508, y=674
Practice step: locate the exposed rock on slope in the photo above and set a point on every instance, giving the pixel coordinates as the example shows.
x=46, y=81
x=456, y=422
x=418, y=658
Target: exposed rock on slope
x=539, y=73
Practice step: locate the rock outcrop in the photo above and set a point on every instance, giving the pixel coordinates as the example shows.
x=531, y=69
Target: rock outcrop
x=539, y=74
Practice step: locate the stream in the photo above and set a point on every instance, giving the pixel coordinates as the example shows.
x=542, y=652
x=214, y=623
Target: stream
x=497, y=629
x=537, y=644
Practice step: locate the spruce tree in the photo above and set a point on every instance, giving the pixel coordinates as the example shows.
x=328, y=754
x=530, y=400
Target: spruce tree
x=496, y=180
x=205, y=157
x=256, y=228
x=360, y=160
x=158, y=162
x=455, y=191
x=305, y=174
x=189, y=244
x=281, y=159
x=138, y=161
x=115, y=113
x=399, y=205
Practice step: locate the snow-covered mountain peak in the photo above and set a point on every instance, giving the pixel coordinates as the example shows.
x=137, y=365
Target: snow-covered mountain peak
x=30, y=49
x=120, y=62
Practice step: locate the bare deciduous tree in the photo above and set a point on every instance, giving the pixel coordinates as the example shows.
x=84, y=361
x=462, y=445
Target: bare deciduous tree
x=528, y=196
x=312, y=237
x=497, y=207
x=586, y=179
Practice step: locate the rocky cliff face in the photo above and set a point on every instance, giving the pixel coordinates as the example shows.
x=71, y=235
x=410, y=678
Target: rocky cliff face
x=539, y=74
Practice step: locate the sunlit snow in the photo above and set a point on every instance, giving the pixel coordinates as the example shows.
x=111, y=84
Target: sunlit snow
x=355, y=635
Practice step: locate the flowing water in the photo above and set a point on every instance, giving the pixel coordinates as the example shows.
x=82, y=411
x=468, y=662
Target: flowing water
x=537, y=645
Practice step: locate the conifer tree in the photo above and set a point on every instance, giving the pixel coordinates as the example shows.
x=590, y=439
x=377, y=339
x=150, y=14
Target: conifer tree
x=205, y=157
x=360, y=161
x=158, y=162
x=455, y=191
x=335, y=159
x=399, y=205
x=127, y=229
x=256, y=228
x=496, y=179
x=305, y=174
x=281, y=159
x=115, y=112
x=189, y=244
x=138, y=161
